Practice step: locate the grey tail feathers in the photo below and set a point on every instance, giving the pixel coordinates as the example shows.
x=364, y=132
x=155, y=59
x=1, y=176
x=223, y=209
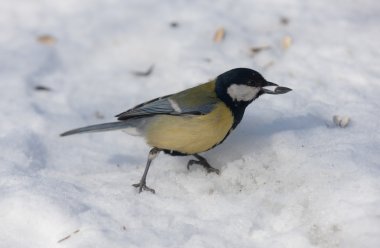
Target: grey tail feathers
x=98, y=128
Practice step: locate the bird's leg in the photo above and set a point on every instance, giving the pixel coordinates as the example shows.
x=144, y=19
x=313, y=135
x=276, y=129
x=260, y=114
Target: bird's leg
x=202, y=161
x=142, y=184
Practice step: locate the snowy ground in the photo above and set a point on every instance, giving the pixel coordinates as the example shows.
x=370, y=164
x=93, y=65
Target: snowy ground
x=290, y=177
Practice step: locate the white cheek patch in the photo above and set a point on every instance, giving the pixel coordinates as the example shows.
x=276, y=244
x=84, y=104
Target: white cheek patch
x=242, y=92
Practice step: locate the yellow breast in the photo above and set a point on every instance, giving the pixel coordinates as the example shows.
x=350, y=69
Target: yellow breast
x=189, y=134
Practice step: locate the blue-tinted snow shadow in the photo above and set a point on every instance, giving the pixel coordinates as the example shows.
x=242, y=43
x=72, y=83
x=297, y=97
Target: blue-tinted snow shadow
x=36, y=151
x=297, y=123
x=255, y=135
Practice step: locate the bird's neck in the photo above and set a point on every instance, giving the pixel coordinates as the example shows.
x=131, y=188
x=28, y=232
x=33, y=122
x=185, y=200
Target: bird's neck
x=238, y=115
x=237, y=108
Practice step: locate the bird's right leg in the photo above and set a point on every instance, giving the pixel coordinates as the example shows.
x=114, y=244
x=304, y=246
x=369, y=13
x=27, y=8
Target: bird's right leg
x=142, y=184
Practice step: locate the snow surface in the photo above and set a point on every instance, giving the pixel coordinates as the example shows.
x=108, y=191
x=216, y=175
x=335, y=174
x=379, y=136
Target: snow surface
x=290, y=177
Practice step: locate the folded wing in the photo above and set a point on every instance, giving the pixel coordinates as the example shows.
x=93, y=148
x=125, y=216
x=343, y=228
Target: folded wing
x=199, y=100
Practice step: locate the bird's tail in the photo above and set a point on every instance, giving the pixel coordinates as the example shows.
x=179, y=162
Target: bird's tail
x=99, y=128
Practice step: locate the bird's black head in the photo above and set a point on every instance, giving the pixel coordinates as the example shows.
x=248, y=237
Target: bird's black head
x=239, y=87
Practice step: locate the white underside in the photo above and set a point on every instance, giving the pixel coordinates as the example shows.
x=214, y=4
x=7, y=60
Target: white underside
x=132, y=131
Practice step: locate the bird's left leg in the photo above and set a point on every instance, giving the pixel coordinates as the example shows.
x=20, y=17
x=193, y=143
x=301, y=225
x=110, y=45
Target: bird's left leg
x=142, y=184
x=202, y=161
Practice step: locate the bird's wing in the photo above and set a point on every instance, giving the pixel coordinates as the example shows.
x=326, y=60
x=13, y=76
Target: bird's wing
x=199, y=100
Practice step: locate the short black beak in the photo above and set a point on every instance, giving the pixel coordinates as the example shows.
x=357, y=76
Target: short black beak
x=276, y=91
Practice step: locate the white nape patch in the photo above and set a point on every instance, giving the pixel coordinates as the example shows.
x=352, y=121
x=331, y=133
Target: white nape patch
x=241, y=92
x=174, y=105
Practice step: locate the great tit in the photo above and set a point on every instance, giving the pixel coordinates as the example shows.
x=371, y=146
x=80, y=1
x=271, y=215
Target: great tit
x=191, y=121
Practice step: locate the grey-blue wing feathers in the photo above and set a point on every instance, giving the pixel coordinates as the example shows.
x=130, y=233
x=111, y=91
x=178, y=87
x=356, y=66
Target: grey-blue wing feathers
x=166, y=105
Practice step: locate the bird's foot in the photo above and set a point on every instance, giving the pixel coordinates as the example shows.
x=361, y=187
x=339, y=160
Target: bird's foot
x=205, y=165
x=142, y=186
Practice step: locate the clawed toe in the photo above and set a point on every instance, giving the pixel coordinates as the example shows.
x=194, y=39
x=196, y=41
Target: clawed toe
x=191, y=162
x=142, y=186
x=203, y=162
x=212, y=169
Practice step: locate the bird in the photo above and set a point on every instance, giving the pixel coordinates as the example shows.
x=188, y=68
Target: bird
x=191, y=121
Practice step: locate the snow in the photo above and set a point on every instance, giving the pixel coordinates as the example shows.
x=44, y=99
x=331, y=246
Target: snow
x=289, y=176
